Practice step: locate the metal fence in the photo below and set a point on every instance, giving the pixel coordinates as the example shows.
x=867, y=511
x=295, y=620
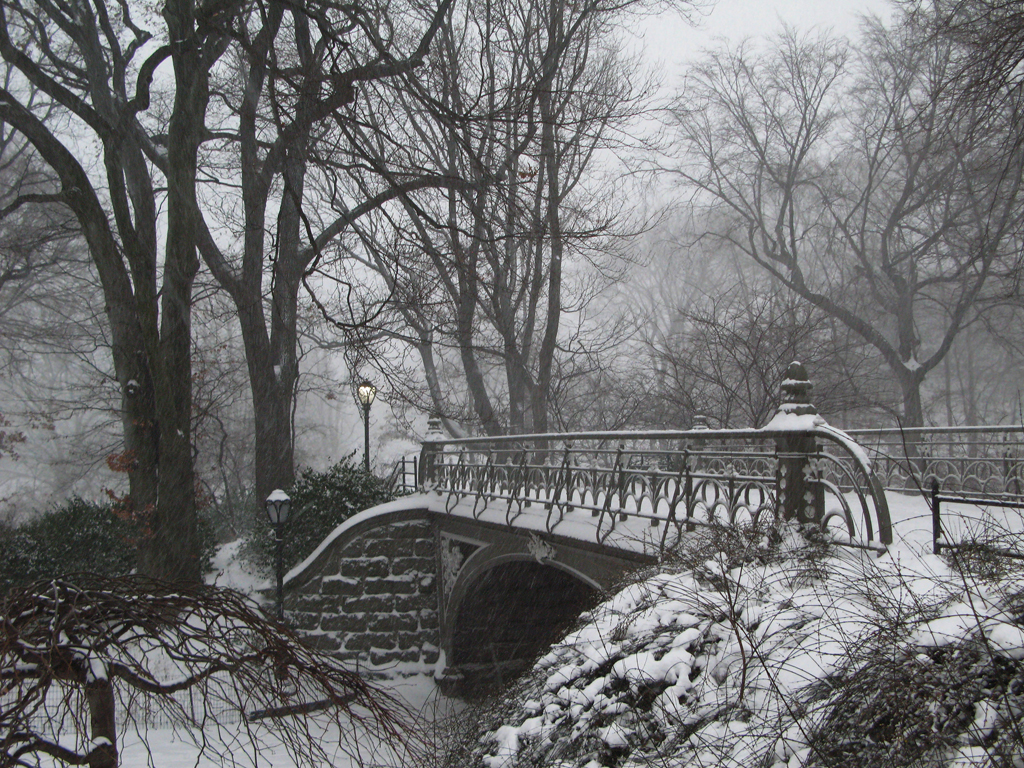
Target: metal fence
x=675, y=480
x=1002, y=541
x=404, y=475
x=973, y=460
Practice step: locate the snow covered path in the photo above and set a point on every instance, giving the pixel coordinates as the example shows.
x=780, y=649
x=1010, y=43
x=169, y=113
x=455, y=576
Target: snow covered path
x=165, y=748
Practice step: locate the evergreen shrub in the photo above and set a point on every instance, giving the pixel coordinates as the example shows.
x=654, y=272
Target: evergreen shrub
x=320, y=502
x=78, y=536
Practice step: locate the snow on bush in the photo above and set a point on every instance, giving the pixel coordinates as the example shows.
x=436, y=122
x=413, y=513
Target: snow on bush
x=762, y=650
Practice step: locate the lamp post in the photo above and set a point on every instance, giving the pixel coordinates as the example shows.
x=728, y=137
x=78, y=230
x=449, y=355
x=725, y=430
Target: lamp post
x=366, y=392
x=278, y=504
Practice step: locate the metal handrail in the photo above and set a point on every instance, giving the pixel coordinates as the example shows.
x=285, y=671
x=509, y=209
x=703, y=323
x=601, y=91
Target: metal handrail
x=404, y=468
x=674, y=480
x=960, y=459
x=983, y=429
x=937, y=499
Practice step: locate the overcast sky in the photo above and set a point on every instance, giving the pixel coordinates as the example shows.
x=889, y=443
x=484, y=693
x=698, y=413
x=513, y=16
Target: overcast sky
x=670, y=41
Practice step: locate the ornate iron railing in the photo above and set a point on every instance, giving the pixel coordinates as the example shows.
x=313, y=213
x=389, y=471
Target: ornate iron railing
x=670, y=481
x=974, y=460
x=404, y=477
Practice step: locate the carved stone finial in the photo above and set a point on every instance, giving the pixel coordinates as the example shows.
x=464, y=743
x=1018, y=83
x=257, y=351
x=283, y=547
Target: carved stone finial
x=796, y=391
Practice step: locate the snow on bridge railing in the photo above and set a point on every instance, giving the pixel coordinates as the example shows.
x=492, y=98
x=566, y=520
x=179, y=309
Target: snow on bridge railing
x=973, y=460
x=795, y=468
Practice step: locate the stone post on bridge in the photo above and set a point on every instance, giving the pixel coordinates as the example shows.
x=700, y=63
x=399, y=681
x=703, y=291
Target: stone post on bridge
x=800, y=496
x=428, y=453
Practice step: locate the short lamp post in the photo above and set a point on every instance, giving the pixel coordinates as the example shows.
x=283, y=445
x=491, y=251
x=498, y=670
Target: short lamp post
x=366, y=392
x=278, y=506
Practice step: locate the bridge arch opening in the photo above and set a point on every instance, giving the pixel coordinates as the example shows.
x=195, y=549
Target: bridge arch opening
x=509, y=616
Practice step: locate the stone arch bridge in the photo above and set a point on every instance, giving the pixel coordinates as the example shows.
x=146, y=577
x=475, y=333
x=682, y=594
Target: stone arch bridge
x=509, y=539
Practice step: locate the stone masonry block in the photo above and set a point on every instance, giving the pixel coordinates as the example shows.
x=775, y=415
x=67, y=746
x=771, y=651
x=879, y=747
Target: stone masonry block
x=389, y=587
x=325, y=643
x=417, y=639
x=365, y=567
x=311, y=603
x=342, y=588
x=303, y=621
x=425, y=548
x=367, y=640
x=409, y=530
x=374, y=600
x=312, y=587
x=379, y=658
x=388, y=548
x=392, y=622
x=410, y=603
x=344, y=622
x=382, y=603
x=423, y=565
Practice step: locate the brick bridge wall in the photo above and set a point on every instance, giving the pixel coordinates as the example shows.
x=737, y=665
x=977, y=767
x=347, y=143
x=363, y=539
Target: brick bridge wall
x=373, y=600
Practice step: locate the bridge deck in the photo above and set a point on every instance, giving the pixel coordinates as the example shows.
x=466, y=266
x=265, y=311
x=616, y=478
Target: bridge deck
x=630, y=534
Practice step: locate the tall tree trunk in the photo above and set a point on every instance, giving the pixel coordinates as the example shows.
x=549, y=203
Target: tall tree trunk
x=275, y=453
x=549, y=156
x=103, y=726
x=272, y=408
x=171, y=552
x=913, y=412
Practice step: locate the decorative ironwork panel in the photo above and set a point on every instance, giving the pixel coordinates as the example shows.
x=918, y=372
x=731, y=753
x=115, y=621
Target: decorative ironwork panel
x=667, y=482
x=976, y=460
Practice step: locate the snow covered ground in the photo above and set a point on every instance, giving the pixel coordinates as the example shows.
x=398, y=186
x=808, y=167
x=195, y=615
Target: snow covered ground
x=165, y=748
x=732, y=667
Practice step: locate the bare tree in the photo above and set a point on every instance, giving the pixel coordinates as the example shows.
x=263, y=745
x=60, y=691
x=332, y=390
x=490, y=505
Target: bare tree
x=288, y=96
x=128, y=175
x=860, y=183
x=489, y=282
x=38, y=236
x=50, y=315
x=726, y=356
x=989, y=35
x=74, y=651
x=717, y=334
x=290, y=73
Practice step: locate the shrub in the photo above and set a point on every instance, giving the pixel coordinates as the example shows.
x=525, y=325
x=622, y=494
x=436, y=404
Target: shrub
x=907, y=709
x=77, y=537
x=320, y=502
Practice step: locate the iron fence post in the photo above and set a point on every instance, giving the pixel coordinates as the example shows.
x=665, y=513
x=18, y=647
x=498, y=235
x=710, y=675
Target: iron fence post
x=936, y=519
